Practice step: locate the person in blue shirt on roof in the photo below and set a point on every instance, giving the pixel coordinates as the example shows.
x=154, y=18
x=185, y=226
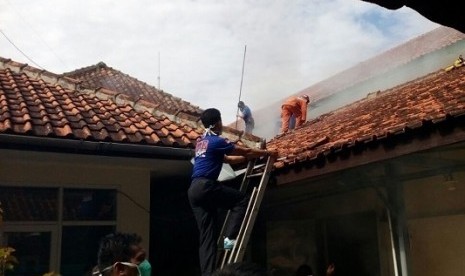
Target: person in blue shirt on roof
x=246, y=115
x=207, y=195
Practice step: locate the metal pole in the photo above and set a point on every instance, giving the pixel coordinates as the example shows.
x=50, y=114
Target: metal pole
x=393, y=246
x=242, y=78
x=159, y=86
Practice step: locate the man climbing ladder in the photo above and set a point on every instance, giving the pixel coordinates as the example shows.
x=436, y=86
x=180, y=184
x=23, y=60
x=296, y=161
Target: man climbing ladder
x=206, y=194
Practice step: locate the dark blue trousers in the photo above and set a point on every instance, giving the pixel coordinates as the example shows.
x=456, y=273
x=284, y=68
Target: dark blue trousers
x=206, y=196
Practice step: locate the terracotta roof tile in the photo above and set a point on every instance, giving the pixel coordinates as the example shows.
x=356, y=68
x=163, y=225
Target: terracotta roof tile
x=97, y=113
x=30, y=106
x=101, y=76
x=416, y=104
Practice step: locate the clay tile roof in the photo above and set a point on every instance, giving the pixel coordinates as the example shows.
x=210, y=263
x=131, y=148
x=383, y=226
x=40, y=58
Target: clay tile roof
x=102, y=76
x=414, y=105
x=35, y=106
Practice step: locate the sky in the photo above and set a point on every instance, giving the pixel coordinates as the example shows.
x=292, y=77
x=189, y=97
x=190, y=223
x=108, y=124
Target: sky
x=211, y=53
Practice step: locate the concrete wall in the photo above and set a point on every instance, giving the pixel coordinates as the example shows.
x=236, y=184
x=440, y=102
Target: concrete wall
x=436, y=225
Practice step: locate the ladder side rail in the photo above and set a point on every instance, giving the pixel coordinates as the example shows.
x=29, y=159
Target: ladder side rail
x=246, y=179
x=242, y=243
x=244, y=223
x=243, y=188
x=254, y=212
x=249, y=220
x=225, y=257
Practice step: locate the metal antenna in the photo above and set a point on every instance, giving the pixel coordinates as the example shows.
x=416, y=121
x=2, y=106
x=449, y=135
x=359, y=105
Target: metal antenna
x=159, y=86
x=242, y=78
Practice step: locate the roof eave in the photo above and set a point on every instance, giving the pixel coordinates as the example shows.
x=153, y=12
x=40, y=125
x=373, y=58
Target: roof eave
x=48, y=144
x=427, y=137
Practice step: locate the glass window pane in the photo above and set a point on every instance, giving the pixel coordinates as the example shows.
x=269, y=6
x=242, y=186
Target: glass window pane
x=79, y=248
x=29, y=204
x=32, y=252
x=87, y=204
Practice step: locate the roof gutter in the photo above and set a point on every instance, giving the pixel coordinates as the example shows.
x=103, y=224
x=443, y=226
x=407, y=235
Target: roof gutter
x=47, y=144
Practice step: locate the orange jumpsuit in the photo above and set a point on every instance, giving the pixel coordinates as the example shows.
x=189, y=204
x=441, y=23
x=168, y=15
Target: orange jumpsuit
x=293, y=106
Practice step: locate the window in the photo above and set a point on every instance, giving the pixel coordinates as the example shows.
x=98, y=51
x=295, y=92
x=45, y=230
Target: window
x=79, y=248
x=32, y=251
x=36, y=218
x=29, y=204
x=89, y=204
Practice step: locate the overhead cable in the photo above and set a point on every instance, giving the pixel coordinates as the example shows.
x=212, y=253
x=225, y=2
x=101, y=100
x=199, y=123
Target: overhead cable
x=24, y=19
x=19, y=50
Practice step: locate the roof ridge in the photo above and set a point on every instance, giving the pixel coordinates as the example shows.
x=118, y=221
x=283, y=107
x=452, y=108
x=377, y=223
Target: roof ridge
x=120, y=99
x=375, y=94
x=86, y=68
x=104, y=65
x=70, y=83
x=317, y=88
x=34, y=72
x=428, y=104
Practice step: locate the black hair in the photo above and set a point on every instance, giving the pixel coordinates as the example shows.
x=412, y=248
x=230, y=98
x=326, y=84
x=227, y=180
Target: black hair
x=116, y=247
x=210, y=117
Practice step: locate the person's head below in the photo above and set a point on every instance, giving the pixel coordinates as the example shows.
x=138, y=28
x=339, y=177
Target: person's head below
x=211, y=119
x=241, y=269
x=121, y=254
x=241, y=105
x=305, y=97
x=304, y=270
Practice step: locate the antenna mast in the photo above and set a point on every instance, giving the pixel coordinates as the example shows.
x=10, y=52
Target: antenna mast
x=159, y=86
x=242, y=78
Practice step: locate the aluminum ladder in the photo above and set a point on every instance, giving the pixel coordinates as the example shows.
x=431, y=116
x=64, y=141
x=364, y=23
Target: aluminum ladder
x=236, y=254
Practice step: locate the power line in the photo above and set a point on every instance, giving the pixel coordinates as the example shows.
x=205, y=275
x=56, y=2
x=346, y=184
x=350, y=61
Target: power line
x=24, y=20
x=159, y=72
x=19, y=50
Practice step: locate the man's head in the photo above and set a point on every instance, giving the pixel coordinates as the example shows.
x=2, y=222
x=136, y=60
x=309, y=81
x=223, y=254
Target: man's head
x=241, y=104
x=120, y=254
x=211, y=118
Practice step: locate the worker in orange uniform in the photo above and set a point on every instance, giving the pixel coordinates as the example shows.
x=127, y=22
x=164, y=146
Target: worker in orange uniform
x=296, y=106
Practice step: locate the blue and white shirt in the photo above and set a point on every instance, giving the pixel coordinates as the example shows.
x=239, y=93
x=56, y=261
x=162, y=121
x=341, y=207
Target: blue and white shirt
x=209, y=156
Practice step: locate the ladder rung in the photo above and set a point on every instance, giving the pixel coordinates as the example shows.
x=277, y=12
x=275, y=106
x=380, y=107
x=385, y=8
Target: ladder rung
x=255, y=175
